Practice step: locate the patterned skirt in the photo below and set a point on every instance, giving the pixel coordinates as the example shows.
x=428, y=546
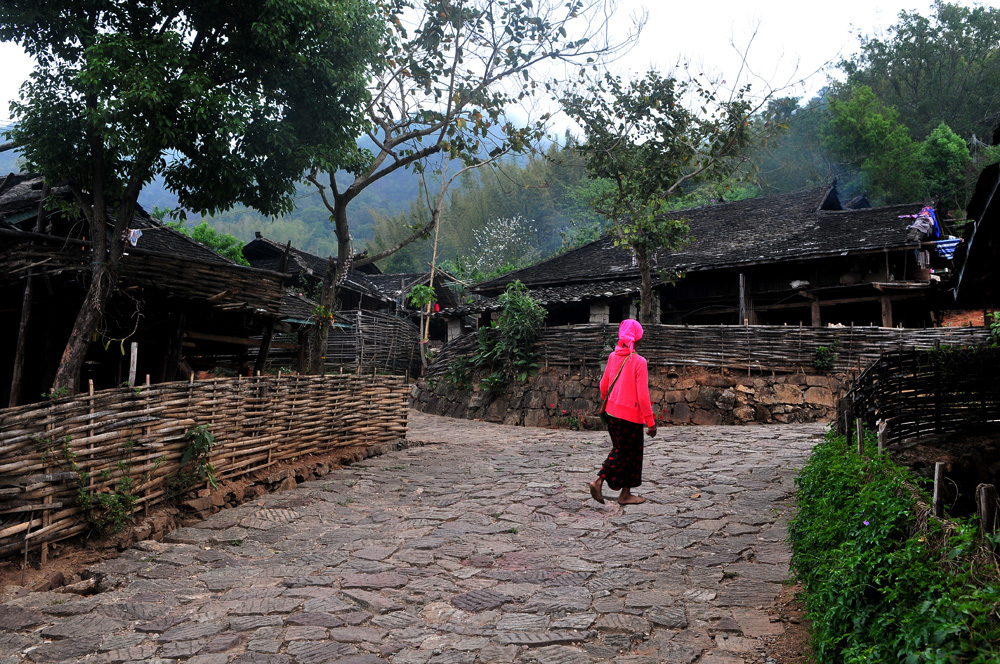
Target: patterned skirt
x=623, y=467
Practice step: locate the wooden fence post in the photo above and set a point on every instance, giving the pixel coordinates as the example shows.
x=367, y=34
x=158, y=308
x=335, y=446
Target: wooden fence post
x=882, y=426
x=844, y=419
x=986, y=505
x=936, y=508
x=860, y=432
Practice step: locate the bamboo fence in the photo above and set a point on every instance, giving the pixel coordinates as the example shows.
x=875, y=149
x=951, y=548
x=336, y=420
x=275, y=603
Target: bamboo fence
x=50, y=451
x=760, y=348
x=362, y=340
x=921, y=392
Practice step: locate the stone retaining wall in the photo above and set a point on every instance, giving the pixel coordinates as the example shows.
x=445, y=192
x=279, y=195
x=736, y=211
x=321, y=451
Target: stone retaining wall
x=680, y=395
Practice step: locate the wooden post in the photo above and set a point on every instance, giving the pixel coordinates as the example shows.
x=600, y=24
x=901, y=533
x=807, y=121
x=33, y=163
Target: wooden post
x=743, y=299
x=24, y=563
x=860, y=433
x=936, y=508
x=816, y=319
x=886, y=310
x=132, y=364
x=986, y=505
x=882, y=426
x=22, y=341
x=844, y=412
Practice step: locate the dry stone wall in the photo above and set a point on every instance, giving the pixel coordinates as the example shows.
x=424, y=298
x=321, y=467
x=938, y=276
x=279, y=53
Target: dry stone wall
x=680, y=395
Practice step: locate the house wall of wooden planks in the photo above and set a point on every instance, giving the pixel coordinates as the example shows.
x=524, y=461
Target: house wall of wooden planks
x=46, y=448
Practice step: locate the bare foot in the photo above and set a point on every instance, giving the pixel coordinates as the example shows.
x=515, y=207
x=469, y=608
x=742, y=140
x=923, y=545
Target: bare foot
x=595, y=490
x=631, y=500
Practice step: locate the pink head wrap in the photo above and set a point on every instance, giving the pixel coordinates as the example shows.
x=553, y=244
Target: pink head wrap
x=629, y=332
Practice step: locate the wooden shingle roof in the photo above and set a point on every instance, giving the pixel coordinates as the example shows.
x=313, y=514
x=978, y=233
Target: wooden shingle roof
x=795, y=226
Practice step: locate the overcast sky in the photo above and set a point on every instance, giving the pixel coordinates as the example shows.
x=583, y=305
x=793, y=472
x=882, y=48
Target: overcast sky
x=793, y=39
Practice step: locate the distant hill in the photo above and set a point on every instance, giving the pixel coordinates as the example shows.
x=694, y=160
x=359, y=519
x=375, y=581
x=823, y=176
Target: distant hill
x=307, y=226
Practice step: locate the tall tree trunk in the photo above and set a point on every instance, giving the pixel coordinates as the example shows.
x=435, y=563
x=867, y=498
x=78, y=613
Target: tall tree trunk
x=104, y=278
x=26, y=304
x=331, y=282
x=646, y=289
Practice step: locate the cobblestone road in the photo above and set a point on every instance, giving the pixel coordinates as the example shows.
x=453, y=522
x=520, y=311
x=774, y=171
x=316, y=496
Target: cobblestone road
x=478, y=544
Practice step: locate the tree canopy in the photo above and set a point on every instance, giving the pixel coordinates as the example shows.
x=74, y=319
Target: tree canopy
x=938, y=68
x=241, y=96
x=652, y=139
x=454, y=75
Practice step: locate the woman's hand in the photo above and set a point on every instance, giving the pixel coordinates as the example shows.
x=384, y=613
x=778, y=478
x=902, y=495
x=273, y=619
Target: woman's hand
x=651, y=431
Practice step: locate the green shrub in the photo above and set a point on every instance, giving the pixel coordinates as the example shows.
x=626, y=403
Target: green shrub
x=505, y=353
x=883, y=583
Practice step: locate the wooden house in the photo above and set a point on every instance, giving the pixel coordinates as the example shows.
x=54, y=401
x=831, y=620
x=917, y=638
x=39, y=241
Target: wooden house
x=797, y=258
x=186, y=307
x=371, y=330
x=446, y=297
x=305, y=272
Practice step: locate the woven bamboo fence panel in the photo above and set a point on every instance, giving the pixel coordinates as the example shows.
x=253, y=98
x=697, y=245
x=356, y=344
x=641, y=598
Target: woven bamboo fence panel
x=739, y=347
x=368, y=341
x=921, y=392
x=46, y=448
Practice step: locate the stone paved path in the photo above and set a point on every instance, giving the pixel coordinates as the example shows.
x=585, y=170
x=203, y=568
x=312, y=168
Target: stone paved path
x=479, y=545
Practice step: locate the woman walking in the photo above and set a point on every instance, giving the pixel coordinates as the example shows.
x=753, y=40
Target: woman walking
x=625, y=386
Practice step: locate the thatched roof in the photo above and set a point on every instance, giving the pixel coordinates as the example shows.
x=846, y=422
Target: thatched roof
x=161, y=259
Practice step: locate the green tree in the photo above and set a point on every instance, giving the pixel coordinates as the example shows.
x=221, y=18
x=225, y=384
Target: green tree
x=867, y=136
x=654, y=139
x=941, y=68
x=947, y=168
x=445, y=89
x=242, y=96
x=794, y=157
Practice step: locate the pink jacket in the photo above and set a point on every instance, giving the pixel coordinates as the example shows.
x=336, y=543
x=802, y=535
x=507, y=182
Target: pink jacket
x=630, y=398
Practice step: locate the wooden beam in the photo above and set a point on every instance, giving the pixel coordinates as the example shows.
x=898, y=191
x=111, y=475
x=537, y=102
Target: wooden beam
x=814, y=312
x=240, y=341
x=874, y=299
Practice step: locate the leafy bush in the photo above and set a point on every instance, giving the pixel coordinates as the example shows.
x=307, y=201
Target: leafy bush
x=506, y=351
x=883, y=583
x=825, y=357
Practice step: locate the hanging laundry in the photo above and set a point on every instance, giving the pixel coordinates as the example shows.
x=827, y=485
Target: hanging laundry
x=946, y=248
x=133, y=236
x=925, y=227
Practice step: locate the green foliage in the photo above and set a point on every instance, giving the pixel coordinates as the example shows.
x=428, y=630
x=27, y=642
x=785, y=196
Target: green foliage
x=539, y=187
x=223, y=244
x=654, y=138
x=57, y=393
x=420, y=296
x=825, y=357
x=994, y=323
x=506, y=352
x=458, y=374
x=195, y=465
x=947, y=168
x=867, y=135
x=937, y=68
x=882, y=585
x=243, y=100
x=110, y=508
x=793, y=158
